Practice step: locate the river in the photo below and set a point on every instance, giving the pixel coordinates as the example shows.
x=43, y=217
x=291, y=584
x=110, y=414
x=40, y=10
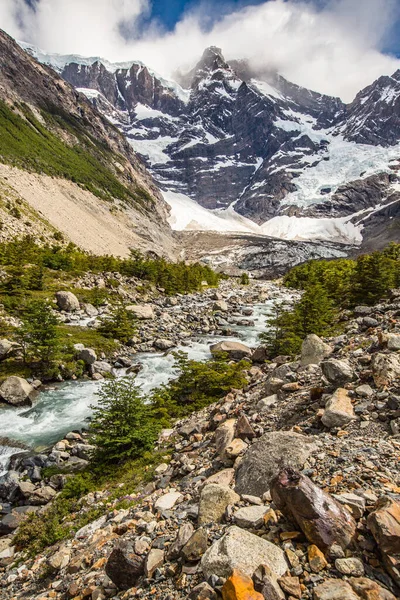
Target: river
x=67, y=406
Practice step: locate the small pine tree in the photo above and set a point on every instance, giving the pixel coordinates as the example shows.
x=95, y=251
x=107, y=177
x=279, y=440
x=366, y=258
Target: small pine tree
x=38, y=335
x=123, y=425
x=119, y=325
x=244, y=279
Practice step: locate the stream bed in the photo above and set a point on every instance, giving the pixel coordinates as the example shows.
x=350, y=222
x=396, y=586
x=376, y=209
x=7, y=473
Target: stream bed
x=67, y=406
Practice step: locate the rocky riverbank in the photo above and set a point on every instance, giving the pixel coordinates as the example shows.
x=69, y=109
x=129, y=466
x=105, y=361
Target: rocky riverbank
x=289, y=488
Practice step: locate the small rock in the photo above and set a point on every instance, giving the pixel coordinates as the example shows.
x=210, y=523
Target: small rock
x=316, y=559
x=196, y=546
x=250, y=517
x=240, y=587
x=337, y=372
x=154, y=560
x=350, y=566
x=334, y=589
x=314, y=350
x=214, y=500
x=338, y=410
x=168, y=501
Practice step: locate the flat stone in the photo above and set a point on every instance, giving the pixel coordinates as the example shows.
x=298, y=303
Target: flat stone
x=235, y=350
x=354, y=502
x=143, y=312
x=384, y=522
x=168, y=501
x=154, y=560
x=224, y=477
x=250, y=517
x=240, y=549
x=334, y=589
x=316, y=559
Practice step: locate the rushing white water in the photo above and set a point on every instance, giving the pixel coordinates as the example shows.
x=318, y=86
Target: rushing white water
x=68, y=406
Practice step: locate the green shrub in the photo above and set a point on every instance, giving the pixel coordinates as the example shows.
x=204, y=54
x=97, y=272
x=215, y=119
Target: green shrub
x=198, y=385
x=120, y=324
x=123, y=426
x=244, y=279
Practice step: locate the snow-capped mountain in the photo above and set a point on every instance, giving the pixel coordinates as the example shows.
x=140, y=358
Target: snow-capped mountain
x=264, y=155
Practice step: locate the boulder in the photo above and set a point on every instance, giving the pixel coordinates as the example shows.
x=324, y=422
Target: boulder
x=260, y=354
x=337, y=372
x=17, y=391
x=183, y=536
x=240, y=587
x=163, y=344
x=220, y=305
x=242, y=550
x=102, y=367
x=385, y=368
x=266, y=456
x=67, y=301
x=214, y=499
x=314, y=350
x=235, y=350
x=250, y=517
x=124, y=567
x=322, y=519
x=142, y=312
x=393, y=342
x=334, y=589
x=338, y=410
x=384, y=522
x=154, y=560
x=168, y=501
x=88, y=356
x=196, y=546
x=5, y=348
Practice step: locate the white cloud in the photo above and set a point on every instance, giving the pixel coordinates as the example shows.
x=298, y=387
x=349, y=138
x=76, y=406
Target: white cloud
x=333, y=48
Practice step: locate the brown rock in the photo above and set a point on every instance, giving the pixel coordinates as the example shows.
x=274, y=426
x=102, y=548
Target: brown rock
x=240, y=587
x=385, y=368
x=194, y=549
x=334, y=589
x=244, y=429
x=338, y=410
x=291, y=585
x=384, y=522
x=316, y=559
x=183, y=536
x=203, y=591
x=124, y=567
x=366, y=589
x=321, y=518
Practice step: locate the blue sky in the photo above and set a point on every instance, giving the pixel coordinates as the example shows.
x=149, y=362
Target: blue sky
x=169, y=12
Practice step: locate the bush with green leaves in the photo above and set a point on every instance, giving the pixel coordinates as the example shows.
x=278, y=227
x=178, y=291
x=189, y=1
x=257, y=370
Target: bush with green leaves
x=198, y=385
x=120, y=324
x=123, y=425
x=38, y=336
x=314, y=313
x=244, y=279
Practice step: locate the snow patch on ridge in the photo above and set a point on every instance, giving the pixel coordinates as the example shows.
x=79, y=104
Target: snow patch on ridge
x=187, y=215
x=348, y=161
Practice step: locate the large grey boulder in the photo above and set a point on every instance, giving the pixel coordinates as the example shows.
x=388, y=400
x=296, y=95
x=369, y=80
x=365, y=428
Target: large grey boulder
x=67, y=301
x=17, y=391
x=142, y=311
x=163, y=344
x=338, y=410
x=88, y=355
x=5, y=348
x=267, y=456
x=337, y=372
x=242, y=550
x=214, y=500
x=235, y=350
x=220, y=305
x=314, y=350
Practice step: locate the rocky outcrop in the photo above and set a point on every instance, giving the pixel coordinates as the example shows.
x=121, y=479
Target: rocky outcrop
x=17, y=391
x=265, y=457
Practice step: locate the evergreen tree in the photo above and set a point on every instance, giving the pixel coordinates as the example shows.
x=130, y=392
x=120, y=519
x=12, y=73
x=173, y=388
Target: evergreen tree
x=123, y=425
x=38, y=335
x=119, y=325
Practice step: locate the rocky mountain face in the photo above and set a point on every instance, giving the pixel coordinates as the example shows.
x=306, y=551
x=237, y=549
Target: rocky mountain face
x=286, y=489
x=38, y=97
x=230, y=137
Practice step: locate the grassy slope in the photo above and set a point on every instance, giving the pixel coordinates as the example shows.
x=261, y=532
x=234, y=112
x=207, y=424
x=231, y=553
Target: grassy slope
x=26, y=143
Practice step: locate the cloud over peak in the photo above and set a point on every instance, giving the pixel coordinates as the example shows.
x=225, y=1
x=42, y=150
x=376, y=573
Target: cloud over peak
x=332, y=46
